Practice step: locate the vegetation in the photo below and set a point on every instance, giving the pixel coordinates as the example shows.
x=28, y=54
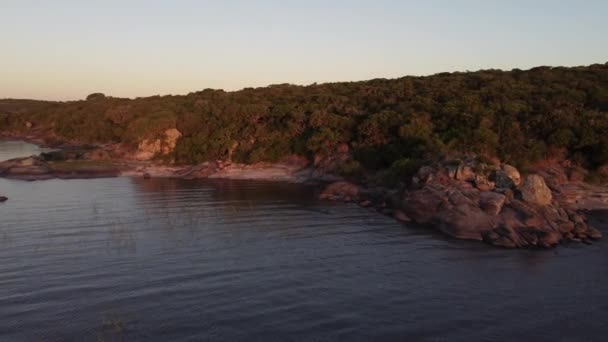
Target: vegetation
x=390, y=125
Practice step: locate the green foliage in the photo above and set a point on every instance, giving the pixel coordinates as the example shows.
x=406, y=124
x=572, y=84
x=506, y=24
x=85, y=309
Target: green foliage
x=401, y=171
x=562, y=137
x=351, y=169
x=389, y=125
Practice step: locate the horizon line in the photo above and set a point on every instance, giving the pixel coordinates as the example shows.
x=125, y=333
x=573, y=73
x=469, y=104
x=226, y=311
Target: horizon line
x=314, y=83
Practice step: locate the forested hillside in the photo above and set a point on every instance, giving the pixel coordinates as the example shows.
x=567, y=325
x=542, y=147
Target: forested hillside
x=517, y=116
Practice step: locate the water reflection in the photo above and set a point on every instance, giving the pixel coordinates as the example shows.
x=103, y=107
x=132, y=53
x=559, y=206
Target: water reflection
x=157, y=259
x=10, y=149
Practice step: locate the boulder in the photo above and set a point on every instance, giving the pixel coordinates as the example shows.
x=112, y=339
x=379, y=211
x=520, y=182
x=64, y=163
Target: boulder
x=536, y=191
x=512, y=173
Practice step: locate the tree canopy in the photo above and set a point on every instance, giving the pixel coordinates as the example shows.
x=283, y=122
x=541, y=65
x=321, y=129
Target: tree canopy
x=517, y=116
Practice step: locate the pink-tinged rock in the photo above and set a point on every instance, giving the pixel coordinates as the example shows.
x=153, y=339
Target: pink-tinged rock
x=400, y=216
x=465, y=173
x=483, y=183
x=464, y=222
x=536, y=191
x=491, y=202
x=340, y=190
x=512, y=173
x=422, y=205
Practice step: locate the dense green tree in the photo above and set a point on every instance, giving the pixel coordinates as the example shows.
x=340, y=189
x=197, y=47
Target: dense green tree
x=389, y=125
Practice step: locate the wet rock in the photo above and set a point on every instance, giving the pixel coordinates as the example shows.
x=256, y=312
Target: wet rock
x=594, y=233
x=400, y=216
x=536, y=191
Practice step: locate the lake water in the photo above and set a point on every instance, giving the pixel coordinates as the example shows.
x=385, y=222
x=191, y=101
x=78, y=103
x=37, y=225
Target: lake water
x=172, y=260
x=15, y=149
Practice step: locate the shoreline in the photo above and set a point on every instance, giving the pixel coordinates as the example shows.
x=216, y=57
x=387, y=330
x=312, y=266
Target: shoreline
x=457, y=201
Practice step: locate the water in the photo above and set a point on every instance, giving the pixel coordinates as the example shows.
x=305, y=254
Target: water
x=170, y=260
x=16, y=149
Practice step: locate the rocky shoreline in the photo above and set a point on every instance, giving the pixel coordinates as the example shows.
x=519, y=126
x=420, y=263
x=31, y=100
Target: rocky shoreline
x=492, y=203
x=465, y=199
x=48, y=166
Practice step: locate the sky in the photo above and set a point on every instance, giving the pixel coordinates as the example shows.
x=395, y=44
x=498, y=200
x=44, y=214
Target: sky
x=65, y=50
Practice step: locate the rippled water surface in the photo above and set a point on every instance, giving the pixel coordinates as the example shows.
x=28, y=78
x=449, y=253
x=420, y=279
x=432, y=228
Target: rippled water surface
x=168, y=260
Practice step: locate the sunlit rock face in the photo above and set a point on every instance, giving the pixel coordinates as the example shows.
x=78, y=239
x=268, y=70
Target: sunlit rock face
x=149, y=148
x=506, y=211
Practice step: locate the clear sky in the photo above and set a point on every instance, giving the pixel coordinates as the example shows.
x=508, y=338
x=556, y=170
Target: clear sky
x=64, y=49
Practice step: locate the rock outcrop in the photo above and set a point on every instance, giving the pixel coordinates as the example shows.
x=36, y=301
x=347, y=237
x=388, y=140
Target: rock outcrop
x=341, y=190
x=475, y=201
x=149, y=148
x=567, y=186
x=536, y=191
x=38, y=168
x=506, y=215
